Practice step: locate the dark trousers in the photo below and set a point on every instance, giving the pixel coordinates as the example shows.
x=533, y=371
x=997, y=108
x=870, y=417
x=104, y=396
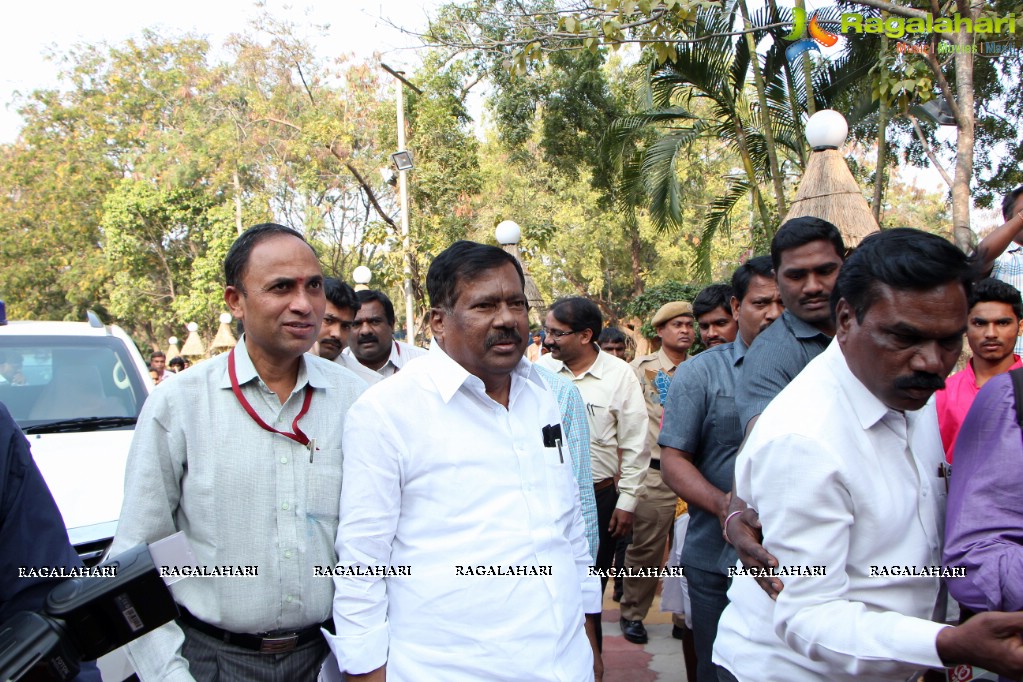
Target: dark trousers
x=724, y=675
x=606, y=501
x=708, y=597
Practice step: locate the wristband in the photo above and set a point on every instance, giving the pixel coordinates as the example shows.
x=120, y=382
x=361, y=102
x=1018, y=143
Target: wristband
x=724, y=528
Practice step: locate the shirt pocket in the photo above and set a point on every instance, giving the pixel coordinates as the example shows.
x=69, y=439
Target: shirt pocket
x=726, y=421
x=323, y=484
x=602, y=424
x=561, y=484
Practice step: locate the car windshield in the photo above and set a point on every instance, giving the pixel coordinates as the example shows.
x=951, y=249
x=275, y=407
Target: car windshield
x=46, y=379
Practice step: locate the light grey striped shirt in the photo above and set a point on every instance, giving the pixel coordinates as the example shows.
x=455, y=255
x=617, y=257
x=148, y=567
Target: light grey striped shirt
x=242, y=495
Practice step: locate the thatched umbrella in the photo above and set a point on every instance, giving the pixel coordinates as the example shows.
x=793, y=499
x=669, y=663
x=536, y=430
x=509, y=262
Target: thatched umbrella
x=193, y=347
x=828, y=189
x=172, y=350
x=224, y=340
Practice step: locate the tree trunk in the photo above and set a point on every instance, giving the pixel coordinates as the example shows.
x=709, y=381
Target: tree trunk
x=882, y=124
x=747, y=164
x=961, y=231
x=807, y=66
x=634, y=251
x=237, y=201
x=765, y=114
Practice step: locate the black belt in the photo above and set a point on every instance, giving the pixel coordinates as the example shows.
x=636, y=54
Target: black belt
x=606, y=483
x=279, y=642
x=655, y=464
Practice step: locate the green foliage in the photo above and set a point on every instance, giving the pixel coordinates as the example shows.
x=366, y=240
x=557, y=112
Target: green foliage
x=646, y=304
x=128, y=183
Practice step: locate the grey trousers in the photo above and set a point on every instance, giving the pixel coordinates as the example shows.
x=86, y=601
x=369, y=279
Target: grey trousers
x=708, y=597
x=211, y=660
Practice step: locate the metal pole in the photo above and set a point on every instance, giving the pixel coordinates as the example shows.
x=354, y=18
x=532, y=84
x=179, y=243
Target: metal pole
x=410, y=320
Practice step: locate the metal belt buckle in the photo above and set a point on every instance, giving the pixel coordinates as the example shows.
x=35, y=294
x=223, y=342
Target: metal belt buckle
x=279, y=645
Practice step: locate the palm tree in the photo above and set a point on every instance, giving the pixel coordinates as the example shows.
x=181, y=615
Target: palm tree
x=712, y=73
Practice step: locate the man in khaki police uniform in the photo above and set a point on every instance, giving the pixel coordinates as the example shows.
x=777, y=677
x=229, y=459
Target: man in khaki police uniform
x=655, y=509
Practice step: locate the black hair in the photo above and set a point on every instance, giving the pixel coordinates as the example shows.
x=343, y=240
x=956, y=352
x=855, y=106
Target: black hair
x=743, y=275
x=176, y=361
x=157, y=354
x=902, y=258
x=996, y=290
x=1009, y=202
x=612, y=335
x=578, y=313
x=339, y=294
x=238, y=255
x=464, y=261
x=712, y=297
x=367, y=295
x=801, y=231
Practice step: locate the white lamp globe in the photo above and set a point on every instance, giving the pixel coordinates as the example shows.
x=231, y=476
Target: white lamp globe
x=225, y=318
x=173, y=340
x=362, y=275
x=192, y=326
x=826, y=129
x=508, y=232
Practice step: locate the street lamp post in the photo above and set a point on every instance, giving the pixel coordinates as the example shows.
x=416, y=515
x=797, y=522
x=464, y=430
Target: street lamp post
x=508, y=233
x=404, y=164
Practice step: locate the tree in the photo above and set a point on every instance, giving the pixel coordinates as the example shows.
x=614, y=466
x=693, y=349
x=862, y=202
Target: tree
x=128, y=183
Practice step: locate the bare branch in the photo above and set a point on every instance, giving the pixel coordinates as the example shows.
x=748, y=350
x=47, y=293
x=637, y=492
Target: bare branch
x=278, y=121
x=939, y=77
x=365, y=186
x=930, y=150
x=899, y=10
x=304, y=84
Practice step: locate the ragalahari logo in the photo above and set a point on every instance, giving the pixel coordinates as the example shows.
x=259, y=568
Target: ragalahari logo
x=799, y=29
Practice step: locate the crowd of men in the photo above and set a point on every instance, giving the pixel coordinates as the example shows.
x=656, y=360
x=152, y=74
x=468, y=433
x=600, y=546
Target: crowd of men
x=437, y=514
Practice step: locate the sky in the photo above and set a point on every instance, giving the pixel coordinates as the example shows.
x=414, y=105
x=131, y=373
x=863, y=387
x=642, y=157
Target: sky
x=32, y=31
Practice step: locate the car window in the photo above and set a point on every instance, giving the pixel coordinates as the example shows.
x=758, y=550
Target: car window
x=45, y=379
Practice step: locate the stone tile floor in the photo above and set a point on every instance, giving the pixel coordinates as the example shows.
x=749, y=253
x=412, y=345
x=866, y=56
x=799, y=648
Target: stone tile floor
x=659, y=660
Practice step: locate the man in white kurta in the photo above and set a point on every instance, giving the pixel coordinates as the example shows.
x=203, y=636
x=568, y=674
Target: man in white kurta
x=451, y=489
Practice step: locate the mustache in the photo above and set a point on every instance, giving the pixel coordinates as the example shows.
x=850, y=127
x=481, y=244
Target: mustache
x=367, y=338
x=502, y=337
x=814, y=299
x=921, y=380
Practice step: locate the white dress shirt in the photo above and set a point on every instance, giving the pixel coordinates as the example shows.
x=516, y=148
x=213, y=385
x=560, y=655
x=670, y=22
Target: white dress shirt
x=438, y=475
x=401, y=354
x=843, y=482
x=362, y=371
x=616, y=410
x=243, y=496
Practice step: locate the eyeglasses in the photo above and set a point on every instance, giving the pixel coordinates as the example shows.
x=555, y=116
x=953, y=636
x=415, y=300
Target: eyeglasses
x=556, y=333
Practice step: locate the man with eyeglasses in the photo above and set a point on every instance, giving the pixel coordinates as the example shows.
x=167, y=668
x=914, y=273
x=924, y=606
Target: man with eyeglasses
x=338, y=321
x=615, y=410
x=372, y=342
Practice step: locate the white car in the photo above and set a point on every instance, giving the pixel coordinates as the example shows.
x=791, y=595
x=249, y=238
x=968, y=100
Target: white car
x=76, y=389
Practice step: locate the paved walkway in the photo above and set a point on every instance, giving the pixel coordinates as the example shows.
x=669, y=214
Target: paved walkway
x=659, y=660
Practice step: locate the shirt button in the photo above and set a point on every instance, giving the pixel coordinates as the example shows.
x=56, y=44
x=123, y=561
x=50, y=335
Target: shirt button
x=925, y=493
x=289, y=599
x=287, y=555
x=285, y=506
x=284, y=460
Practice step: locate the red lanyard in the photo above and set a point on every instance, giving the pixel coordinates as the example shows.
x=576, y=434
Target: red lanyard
x=297, y=434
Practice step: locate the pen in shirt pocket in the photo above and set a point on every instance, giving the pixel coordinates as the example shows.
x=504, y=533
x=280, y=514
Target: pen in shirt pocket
x=552, y=438
x=945, y=472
